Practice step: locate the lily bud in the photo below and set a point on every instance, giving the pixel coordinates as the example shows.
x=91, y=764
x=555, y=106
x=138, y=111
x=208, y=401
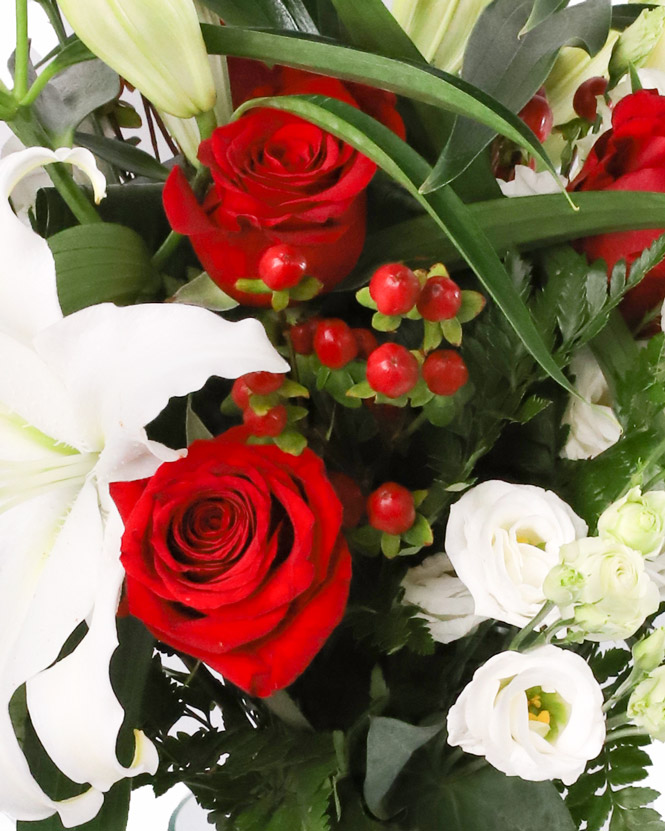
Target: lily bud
x=439, y=28
x=650, y=651
x=156, y=46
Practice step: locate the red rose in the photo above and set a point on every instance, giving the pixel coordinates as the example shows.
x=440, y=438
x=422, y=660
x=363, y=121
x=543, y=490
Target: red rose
x=279, y=179
x=234, y=555
x=630, y=156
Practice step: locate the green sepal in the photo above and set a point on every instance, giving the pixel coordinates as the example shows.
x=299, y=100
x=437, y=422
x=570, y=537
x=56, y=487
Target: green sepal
x=420, y=533
x=473, y=302
x=420, y=394
x=229, y=407
x=414, y=314
x=292, y=389
x=452, y=331
x=390, y=545
x=365, y=298
x=252, y=286
x=433, y=335
x=291, y=441
x=322, y=375
x=280, y=300
x=419, y=497
x=296, y=413
x=438, y=270
x=365, y=540
x=385, y=323
x=262, y=404
x=307, y=289
x=338, y=383
x=361, y=390
x=402, y=401
x=195, y=429
x=258, y=440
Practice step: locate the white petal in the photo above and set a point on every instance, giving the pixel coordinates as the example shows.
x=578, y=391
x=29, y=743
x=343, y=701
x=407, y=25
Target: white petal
x=80, y=734
x=28, y=295
x=121, y=365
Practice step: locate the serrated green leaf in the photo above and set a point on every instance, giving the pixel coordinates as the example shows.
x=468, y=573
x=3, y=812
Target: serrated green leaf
x=385, y=323
x=635, y=797
x=599, y=810
x=405, y=165
x=201, y=291
x=390, y=745
x=452, y=331
x=433, y=335
x=473, y=302
x=534, y=405
x=626, y=774
x=390, y=545
x=365, y=298
x=361, y=390
x=291, y=441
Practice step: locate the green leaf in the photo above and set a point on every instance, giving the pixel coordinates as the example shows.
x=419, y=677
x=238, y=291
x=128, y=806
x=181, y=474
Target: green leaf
x=420, y=533
x=635, y=797
x=101, y=262
x=433, y=335
x=279, y=300
x=291, y=389
x=365, y=298
x=385, y=323
x=525, y=222
x=252, y=286
x=422, y=83
x=542, y=9
x=487, y=799
x=440, y=411
x=511, y=67
x=371, y=26
x=271, y=14
x=291, y=441
x=420, y=394
x=473, y=302
x=123, y=155
x=306, y=289
x=194, y=427
x=452, y=331
x=390, y=745
x=390, y=544
x=201, y=291
x=361, y=390
x=534, y=405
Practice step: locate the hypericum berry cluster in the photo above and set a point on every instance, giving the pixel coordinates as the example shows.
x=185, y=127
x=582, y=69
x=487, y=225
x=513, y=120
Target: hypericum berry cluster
x=396, y=293
x=333, y=341
x=395, y=526
x=261, y=397
x=505, y=154
x=282, y=274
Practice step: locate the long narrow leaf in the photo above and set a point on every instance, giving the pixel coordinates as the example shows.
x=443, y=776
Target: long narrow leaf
x=276, y=14
x=522, y=223
x=418, y=82
x=408, y=168
x=371, y=26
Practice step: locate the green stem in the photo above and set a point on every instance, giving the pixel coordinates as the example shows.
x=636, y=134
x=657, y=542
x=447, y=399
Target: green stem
x=623, y=689
x=22, y=49
x=528, y=629
x=547, y=634
x=40, y=82
x=53, y=14
x=32, y=135
x=207, y=124
x=625, y=733
x=616, y=721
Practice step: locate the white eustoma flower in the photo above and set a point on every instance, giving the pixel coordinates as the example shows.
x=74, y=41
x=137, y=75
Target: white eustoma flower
x=443, y=599
x=593, y=425
x=535, y=714
x=636, y=520
x=529, y=183
x=603, y=587
x=157, y=46
x=502, y=540
x=75, y=395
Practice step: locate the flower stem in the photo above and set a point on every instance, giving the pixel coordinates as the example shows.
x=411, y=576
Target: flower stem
x=207, y=124
x=528, y=629
x=22, y=49
x=622, y=690
x=624, y=733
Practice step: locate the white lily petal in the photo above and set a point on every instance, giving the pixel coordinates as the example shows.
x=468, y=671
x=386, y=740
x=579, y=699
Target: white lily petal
x=28, y=295
x=121, y=365
x=80, y=735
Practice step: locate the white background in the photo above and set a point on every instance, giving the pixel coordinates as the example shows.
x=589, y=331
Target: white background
x=148, y=814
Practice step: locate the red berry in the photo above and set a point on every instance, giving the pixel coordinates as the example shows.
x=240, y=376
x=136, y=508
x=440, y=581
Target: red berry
x=282, y=267
x=392, y=370
x=263, y=383
x=394, y=288
x=445, y=372
x=537, y=115
x=585, y=103
x=240, y=393
x=440, y=299
x=334, y=343
x=270, y=424
x=302, y=336
x=390, y=508
x=351, y=497
x=366, y=341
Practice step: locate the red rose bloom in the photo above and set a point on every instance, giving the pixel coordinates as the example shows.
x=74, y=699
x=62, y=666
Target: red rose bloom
x=279, y=179
x=630, y=156
x=234, y=555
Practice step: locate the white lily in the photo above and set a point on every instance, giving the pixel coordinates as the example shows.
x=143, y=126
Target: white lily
x=75, y=395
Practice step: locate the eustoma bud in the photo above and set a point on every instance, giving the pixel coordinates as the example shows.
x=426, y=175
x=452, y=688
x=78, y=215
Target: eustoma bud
x=638, y=521
x=157, y=47
x=646, y=705
x=650, y=651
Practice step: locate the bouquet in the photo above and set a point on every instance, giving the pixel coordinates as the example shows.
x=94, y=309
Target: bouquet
x=332, y=425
